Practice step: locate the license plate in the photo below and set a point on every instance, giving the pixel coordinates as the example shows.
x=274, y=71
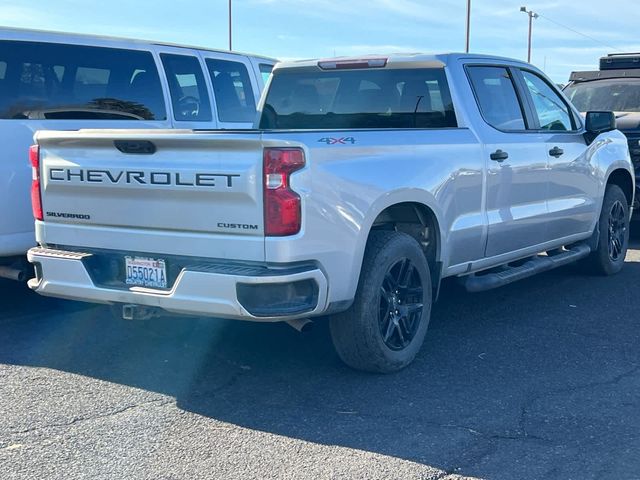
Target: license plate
x=145, y=272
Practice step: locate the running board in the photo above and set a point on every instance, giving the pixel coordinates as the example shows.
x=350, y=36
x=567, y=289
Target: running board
x=533, y=266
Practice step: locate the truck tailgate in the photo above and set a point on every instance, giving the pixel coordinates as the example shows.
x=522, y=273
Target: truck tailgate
x=163, y=189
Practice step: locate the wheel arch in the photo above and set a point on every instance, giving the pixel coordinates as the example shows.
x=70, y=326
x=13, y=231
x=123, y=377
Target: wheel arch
x=619, y=175
x=623, y=179
x=413, y=213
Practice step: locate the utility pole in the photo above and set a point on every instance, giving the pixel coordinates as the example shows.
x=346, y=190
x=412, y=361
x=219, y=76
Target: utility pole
x=468, y=25
x=532, y=15
x=230, y=47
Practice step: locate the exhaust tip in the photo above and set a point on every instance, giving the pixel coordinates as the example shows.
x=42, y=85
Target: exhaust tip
x=303, y=325
x=18, y=273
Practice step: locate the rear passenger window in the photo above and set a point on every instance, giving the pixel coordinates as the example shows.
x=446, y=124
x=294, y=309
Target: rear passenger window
x=232, y=89
x=53, y=81
x=189, y=95
x=497, y=98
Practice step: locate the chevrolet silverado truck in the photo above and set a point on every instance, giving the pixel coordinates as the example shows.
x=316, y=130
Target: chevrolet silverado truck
x=365, y=183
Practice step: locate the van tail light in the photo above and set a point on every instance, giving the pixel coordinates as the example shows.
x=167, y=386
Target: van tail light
x=282, y=209
x=36, y=195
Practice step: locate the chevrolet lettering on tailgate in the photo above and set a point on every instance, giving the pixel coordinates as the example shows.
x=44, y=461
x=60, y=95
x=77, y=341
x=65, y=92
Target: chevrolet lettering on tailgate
x=139, y=177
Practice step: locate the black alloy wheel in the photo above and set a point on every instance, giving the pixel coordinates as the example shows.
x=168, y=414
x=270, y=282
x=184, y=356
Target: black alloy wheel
x=385, y=326
x=611, y=235
x=617, y=231
x=401, y=303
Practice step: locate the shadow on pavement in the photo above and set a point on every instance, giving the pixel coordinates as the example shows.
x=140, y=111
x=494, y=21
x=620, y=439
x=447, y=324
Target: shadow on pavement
x=533, y=380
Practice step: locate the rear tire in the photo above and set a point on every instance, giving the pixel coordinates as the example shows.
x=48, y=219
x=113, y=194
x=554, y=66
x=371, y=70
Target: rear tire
x=613, y=239
x=385, y=327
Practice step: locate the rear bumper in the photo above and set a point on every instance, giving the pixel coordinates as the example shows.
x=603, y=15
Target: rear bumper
x=202, y=289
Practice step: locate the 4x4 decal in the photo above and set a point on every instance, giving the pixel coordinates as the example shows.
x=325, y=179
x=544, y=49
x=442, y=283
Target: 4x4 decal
x=338, y=141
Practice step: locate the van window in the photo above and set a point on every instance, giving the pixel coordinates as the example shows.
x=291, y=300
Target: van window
x=265, y=71
x=232, y=89
x=367, y=98
x=189, y=95
x=54, y=81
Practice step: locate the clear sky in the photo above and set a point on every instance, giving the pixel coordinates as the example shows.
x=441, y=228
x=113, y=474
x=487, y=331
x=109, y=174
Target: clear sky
x=321, y=28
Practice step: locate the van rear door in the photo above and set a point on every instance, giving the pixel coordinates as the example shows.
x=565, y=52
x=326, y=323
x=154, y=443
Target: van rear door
x=189, y=90
x=235, y=89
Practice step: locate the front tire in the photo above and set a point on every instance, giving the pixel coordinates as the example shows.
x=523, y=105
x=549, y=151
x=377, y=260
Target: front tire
x=613, y=240
x=385, y=327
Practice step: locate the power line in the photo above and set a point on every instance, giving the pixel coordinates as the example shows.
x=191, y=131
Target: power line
x=580, y=33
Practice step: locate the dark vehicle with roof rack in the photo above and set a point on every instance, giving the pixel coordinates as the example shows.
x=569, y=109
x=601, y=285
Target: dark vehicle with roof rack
x=615, y=87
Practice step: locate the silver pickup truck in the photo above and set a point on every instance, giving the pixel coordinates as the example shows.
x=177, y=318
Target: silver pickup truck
x=366, y=182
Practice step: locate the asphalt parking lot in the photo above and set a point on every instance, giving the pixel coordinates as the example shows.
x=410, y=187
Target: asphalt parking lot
x=537, y=380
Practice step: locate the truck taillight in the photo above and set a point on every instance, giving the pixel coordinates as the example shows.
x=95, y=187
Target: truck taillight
x=36, y=196
x=282, y=210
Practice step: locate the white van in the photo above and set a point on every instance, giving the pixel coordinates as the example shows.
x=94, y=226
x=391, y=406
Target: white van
x=59, y=81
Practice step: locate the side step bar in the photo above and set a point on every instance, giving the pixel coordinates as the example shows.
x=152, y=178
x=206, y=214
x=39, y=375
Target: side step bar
x=533, y=266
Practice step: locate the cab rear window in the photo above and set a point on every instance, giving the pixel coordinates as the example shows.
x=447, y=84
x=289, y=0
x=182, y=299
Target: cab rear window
x=351, y=99
x=56, y=81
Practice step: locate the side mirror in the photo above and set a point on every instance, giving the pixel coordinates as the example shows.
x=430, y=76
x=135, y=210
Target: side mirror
x=597, y=123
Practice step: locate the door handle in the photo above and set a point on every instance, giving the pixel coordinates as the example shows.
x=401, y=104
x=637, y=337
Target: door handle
x=556, y=152
x=499, y=156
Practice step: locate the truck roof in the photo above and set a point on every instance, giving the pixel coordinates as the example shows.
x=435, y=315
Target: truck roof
x=27, y=34
x=424, y=59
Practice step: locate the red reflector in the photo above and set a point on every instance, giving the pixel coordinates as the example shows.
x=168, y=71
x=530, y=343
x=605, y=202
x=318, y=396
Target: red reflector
x=34, y=155
x=36, y=196
x=282, y=207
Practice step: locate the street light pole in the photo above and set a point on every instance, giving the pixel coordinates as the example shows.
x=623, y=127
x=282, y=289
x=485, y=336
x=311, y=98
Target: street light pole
x=532, y=15
x=468, y=25
x=230, y=47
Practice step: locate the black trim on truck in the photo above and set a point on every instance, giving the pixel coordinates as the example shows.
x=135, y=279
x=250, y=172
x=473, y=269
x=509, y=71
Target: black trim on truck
x=106, y=267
